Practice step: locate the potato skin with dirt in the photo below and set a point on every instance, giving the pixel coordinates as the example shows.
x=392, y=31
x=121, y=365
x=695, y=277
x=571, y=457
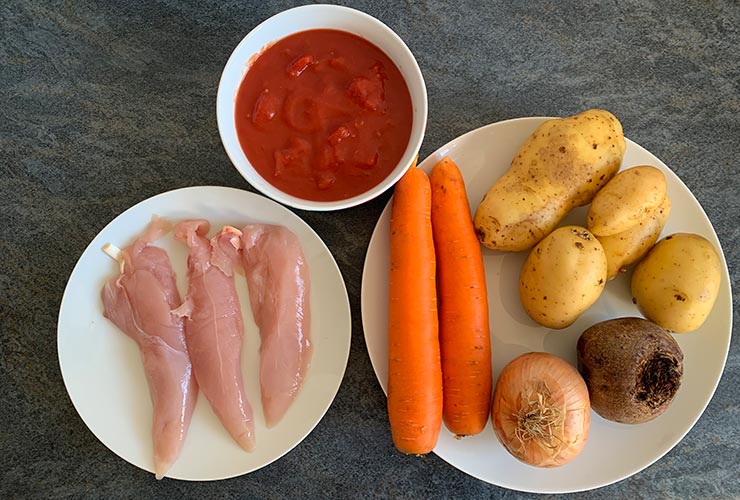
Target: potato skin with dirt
x=563, y=276
x=628, y=247
x=562, y=165
x=632, y=367
x=626, y=200
x=677, y=282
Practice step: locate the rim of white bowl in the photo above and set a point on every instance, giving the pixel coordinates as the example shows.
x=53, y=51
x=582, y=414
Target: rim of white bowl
x=412, y=148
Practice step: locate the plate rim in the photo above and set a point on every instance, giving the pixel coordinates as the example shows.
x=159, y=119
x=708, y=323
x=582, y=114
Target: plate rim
x=345, y=306
x=426, y=165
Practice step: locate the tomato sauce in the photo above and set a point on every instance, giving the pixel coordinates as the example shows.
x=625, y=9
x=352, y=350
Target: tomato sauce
x=323, y=115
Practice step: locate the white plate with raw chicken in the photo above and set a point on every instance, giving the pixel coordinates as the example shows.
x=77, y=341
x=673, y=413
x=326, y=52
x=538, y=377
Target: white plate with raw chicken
x=102, y=367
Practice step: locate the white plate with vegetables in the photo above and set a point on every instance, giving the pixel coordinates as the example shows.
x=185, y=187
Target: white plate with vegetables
x=102, y=367
x=613, y=451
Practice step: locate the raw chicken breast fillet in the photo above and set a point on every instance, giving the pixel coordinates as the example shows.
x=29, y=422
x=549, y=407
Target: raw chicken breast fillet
x=140, y=302
x=214, y=328
x=279, y=289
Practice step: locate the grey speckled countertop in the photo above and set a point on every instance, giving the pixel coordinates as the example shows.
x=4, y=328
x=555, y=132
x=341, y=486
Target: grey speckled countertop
x=106, y=104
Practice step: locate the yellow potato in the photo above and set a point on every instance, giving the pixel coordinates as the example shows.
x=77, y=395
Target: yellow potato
x=563, y=276
x=626, y=200
x=560, y=166
x=627, y=247
x=677, y=282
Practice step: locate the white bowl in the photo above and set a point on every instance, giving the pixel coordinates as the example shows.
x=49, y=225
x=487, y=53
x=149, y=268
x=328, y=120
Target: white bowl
x=306, y=18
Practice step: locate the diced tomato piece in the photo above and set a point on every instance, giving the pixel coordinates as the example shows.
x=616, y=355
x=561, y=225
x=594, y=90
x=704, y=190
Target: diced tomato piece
x=266, y=107
x=339, y=135
x=367, y=92
x=366, y=159
x=328, y=159
x=293, y=158
x=300, y=65
x=325, y=179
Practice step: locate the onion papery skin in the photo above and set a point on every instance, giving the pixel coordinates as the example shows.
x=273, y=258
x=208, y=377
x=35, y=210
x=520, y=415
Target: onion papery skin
x=561, y=410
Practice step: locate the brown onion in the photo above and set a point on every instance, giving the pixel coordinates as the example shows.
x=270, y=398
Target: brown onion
x=541, y=410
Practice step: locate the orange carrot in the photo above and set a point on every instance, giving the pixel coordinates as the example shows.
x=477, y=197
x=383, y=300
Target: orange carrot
x=414, y=370
x=464, y=335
